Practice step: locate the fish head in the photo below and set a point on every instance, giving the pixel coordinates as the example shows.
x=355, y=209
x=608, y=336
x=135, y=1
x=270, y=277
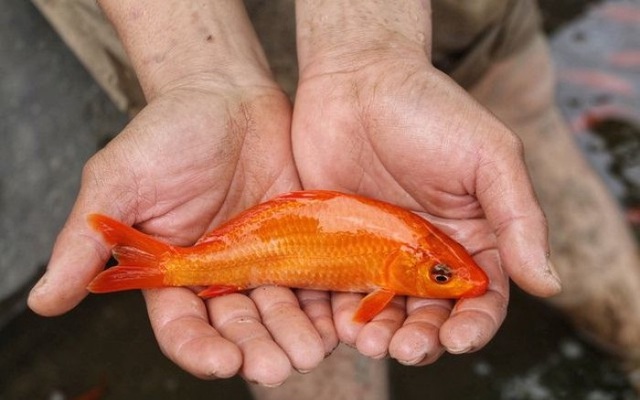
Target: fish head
x=451, y=280
x=450, y=274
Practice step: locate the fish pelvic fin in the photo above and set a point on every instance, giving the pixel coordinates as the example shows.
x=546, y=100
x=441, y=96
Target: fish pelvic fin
x=217, y=290
x=138, y=256
x=372, y=304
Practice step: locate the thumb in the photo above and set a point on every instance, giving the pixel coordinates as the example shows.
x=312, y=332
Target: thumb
x=79, y=252
x=506, y=194
x=78, y=255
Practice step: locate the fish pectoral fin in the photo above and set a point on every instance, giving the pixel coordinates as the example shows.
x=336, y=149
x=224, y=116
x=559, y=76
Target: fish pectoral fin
x=372, y=304
x=217, y=290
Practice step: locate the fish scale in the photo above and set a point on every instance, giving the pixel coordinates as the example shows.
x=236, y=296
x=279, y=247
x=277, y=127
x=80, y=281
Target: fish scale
x=300, y=258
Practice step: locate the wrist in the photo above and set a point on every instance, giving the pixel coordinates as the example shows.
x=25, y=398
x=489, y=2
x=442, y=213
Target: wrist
x=346, y=35
x=170, y=42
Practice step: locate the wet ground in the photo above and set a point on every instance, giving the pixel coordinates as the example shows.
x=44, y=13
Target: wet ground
x=107, y=342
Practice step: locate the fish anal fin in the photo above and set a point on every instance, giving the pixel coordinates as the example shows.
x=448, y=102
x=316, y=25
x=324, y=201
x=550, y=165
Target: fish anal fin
x=372, y=304
x=217, y=290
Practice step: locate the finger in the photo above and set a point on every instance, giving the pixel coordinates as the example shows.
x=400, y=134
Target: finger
x=317, y=305
x=505, y=192
x=78, y=256
x=289, y=326
x=181, y=326
x=474, y=321
x=237, y=319
x=79, y=252
x=344, y=306
x=417, y=342
x=374, y=337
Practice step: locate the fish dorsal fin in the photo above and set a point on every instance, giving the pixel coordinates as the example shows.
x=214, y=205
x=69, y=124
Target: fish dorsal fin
x=211, y=237
x=250, y=218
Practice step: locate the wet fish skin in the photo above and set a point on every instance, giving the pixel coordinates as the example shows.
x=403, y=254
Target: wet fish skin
x=319, y=239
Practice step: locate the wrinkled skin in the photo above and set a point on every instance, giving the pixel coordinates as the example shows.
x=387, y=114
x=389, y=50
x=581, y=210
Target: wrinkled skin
x=385, y=124
x=189, y=161
x=216, y=138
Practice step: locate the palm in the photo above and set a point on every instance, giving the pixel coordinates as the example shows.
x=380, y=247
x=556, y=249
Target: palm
x=411, y=137
x=199, y=158
x=388, y=128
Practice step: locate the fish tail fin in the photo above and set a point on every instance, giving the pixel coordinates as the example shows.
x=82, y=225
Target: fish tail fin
x=138, y=256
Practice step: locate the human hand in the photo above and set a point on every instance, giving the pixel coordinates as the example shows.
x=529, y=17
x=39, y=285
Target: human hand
x=373, y=116
x=208, y=145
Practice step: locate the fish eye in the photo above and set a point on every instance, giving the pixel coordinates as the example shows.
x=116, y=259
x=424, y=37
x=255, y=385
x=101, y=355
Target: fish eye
x=441, y=273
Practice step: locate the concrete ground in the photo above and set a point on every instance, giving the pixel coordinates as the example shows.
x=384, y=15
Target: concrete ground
x=52, y=118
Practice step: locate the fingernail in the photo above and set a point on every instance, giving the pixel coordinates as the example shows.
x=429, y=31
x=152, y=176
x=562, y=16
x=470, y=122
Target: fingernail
x=303, y=371
x=269, y=385
x=328, y=353
x=413, y=361
x=379, y=356
x=551, y=270
x=461, y=350
x=42, y=282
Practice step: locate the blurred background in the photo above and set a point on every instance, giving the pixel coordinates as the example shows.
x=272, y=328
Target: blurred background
x=53, y=117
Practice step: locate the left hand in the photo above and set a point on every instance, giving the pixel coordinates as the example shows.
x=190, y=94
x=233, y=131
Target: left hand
x=373, y=116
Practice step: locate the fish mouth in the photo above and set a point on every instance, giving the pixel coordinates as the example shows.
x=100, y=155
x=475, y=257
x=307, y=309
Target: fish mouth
x=478, y=286
x=478, y=289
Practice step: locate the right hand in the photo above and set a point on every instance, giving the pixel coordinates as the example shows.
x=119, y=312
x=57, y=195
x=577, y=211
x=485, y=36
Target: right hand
x=213, y=141
x=200, y=152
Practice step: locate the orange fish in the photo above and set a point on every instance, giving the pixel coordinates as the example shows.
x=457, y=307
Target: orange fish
x=95, y=393
x=310, y=239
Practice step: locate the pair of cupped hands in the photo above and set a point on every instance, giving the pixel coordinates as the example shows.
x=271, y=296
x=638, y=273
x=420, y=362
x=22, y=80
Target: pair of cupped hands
x=208, y=146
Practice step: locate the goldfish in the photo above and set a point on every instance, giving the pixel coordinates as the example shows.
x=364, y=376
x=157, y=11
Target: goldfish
x=97, y=392
x=315, y=239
